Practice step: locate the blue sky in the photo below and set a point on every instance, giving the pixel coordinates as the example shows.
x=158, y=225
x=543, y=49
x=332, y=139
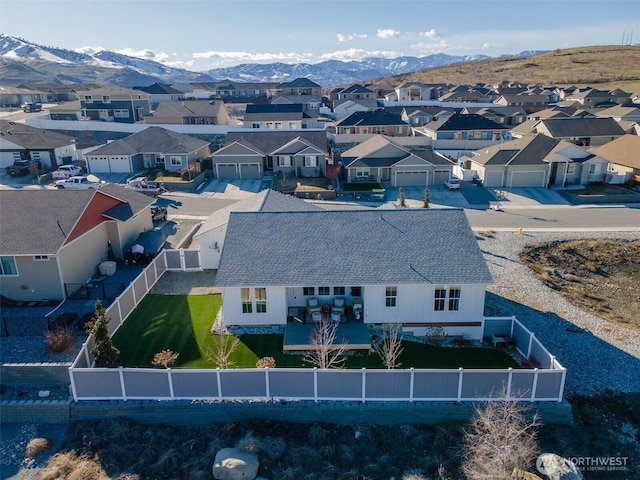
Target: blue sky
x=205, y=34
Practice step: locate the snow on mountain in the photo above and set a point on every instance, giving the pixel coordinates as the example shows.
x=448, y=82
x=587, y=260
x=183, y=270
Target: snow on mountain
x=328, y=73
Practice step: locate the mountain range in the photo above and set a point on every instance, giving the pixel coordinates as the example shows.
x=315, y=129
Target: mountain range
x=26, y=62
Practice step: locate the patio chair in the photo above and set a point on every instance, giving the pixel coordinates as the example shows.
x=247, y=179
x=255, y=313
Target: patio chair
x=313, y=307
x=337, y=309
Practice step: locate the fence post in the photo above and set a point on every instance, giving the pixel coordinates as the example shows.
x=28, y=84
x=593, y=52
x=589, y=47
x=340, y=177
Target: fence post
x=460, y=373
x=530, y=345
x=561, y=390
x=315, y=384
x=219, y=383
x=86, y=354
x=534, y=387
x=122, y=387
x=183, y=263
x=513, y=322
x=364, y=385
x=73, y=385
x=170, y=379
x=119, y=310
x=266, y=381
x=411, y=380
x=509, y=383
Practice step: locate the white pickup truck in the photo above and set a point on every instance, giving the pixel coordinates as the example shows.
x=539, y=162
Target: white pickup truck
x=80, y=182
x=66, y=171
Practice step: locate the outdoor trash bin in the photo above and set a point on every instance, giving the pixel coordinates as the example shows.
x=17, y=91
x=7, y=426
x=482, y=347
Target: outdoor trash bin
x=107, y=268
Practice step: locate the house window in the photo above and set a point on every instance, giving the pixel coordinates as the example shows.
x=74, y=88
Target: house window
x=594, y=168
x=310, y=161
x=88, y=99
x=40, y=258
x=439, y=298
x=338, y=290
x=454, y=299
x=391, y=294
x=309, y=291
x=356, y=291
x=284, y=161
x=571, y=168
x=175, y=161
x=457, y=135
x=245, y=295
x=292, y=125
x=106, y=99
x=121, y=113
x=255, y=125
x=8, y=267
x=261, y=300
x=323, y=291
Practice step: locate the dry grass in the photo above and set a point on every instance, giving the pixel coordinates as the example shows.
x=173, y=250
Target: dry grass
x=36, y=447
x=59, y=340
x=71, y=466
x=605, y=67
x=599, y=276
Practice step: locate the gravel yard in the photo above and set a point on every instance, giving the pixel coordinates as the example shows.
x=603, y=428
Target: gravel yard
x=598, y=355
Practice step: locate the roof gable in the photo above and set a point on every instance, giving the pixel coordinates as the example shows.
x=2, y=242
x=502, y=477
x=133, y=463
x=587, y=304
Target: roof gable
x=151, y=140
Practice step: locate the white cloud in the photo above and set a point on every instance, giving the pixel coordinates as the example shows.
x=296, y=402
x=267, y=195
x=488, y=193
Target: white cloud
x=89, y=50
x=487, y=46
x=438, y=47
x=357, y=54
x=343, y=38
x=430, y=34
x=246, y=57
x=145, y=53
x=186, y=65
x=387, y=33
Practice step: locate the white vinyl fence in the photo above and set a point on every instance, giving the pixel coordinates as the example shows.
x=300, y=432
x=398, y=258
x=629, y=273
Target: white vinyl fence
x=543, y=383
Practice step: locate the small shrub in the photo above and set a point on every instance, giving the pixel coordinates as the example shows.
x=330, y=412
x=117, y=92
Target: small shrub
x=36, y=447
x=266, y=362
x=59, y=340
x=250, y=443
x=165, y=358
x=591, y=267
x=274, y=447
x=435, y=336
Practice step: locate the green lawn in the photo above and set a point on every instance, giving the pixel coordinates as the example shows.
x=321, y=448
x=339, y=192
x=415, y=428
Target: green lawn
x=182, y=323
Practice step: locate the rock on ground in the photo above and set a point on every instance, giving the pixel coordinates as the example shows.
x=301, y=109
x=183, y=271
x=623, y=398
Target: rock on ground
x=232, y=464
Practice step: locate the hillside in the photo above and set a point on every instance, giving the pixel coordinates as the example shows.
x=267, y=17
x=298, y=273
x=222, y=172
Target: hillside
x=598, y=66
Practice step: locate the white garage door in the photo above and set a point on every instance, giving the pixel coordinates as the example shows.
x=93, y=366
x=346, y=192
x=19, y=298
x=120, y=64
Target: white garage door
x=440, y=176
x=98, y=165
x=119, y=165
x=527, y=179
x=411, y=179
x=226, y=171
x=249, y=170
x=492, y=179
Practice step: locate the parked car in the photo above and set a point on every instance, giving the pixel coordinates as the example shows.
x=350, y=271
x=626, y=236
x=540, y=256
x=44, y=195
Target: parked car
x=80, y=182
x=66, y=171
x=452, y=184
x=21, y=168
x=31, y=107
x=158, y=214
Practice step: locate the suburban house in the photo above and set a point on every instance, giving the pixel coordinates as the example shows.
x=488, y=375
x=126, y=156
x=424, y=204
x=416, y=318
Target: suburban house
x=279, y=116
x=379, y=159
x=211, y=234
x=377, y=122
x=459, y=132
x=251, y=154
x=420, y=116
x=418, y=268
x=21, y=142
x=536, y=161
x=76, y=231
x=529, y=103
x=153, y=147
x=114, y=104
x=227, y=89
x=160, y=92
x=352, y=92
x=70, y=110
x=503, y=115
x=620, y=113
x=591, y=97
x=190, y=112
x=584, y=131
x=623, y=155
x=466, y=95
x=15, y=96
x=414, y=92
x=347, y=107
x=297, y=87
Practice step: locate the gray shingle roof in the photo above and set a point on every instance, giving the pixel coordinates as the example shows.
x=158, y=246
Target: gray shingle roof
x=37, y=222
x=273, y=140
x=351, y=248
x=582, y=127
x=152, y=140
x=32, y=138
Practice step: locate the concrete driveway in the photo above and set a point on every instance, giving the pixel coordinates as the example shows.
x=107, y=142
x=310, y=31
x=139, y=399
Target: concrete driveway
x=528, y=197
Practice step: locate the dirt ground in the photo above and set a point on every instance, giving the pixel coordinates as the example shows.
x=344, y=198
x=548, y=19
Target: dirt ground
x=186, y=283
x=599, y=276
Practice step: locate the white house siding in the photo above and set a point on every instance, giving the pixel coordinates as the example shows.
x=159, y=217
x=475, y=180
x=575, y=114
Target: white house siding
x=8, y=157
x=36, y=280
x=415, y=305
x=276, y=313
x=209, y=254
x=65, y=152
x=79, y=259
x=123, y=234
x=42, y=156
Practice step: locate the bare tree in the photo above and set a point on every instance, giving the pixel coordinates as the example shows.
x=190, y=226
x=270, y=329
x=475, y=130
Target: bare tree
x=165, y=358
x=390, y=347
x=501, y=437
x=222, y=349
x=325, y=352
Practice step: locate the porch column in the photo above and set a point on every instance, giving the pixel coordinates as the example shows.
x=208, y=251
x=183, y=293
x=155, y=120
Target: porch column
x=566, y=169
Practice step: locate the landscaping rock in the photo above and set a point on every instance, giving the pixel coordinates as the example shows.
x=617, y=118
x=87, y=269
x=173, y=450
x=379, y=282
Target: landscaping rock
x=232, y=464
x=556, y=467
x=522, y=475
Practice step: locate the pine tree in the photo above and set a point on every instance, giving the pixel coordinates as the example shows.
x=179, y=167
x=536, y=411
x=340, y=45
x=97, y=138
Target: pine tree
x=403, y=202
x=425, y=200
x=104, y=352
